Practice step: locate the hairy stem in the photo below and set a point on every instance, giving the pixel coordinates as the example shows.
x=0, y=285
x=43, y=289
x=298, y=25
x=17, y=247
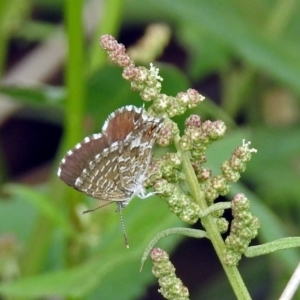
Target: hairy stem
x=280, y=244
x=211, y=228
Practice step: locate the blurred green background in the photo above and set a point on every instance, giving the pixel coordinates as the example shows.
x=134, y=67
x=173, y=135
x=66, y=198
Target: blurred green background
x=57, y=87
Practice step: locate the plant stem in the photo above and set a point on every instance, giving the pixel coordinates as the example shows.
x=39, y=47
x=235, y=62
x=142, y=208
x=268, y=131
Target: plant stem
x=75, y=81
x=215, y=207
x=208, y=223
x=196, y=233
x=280, y=244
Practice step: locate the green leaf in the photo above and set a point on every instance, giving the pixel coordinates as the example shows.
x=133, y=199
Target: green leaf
x=278, y=180
x=231, y=26
x=17, y=218
x=42, y=96
x=43, y=204
x=111, y=261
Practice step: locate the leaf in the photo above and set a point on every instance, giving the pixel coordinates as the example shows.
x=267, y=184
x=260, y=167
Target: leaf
x=224, y=22
x=41, y=202
x=111, y=260
x=41, y=96
x=16, y=217
x=278, y=180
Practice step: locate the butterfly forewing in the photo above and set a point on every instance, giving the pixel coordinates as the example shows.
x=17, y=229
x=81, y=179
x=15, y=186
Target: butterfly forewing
x=79, y=158
x=112, y=165
x=122, y=123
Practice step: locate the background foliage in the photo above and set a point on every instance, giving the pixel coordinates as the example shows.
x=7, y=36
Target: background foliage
x=56, y=88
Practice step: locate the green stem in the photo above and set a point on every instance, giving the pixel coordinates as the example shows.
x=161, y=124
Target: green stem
x=178, y=230
x=210, y=226
x=74, y=73
x=75, y=81
x=13, y=13
x=214, y=207
x=280, y=244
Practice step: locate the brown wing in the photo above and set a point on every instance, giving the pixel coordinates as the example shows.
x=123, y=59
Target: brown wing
x=108, y=166
x=122, y=122
x=78, y=159
x=101, y=179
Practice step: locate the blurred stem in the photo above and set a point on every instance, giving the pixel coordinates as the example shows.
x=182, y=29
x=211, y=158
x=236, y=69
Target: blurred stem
x=279, y=17
x=4, y=32
x=210, y=226
x=3, y=49
x=74, y=113
x=109, y=24
x=3, y=166
x=237, y=88
x=38, y=245
x=34, y=254
x=12, y=14
x=74, y=73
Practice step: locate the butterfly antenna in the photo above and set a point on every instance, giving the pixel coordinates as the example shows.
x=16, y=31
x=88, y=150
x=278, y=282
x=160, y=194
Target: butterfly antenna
x=93, y=209
x=123, y=227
